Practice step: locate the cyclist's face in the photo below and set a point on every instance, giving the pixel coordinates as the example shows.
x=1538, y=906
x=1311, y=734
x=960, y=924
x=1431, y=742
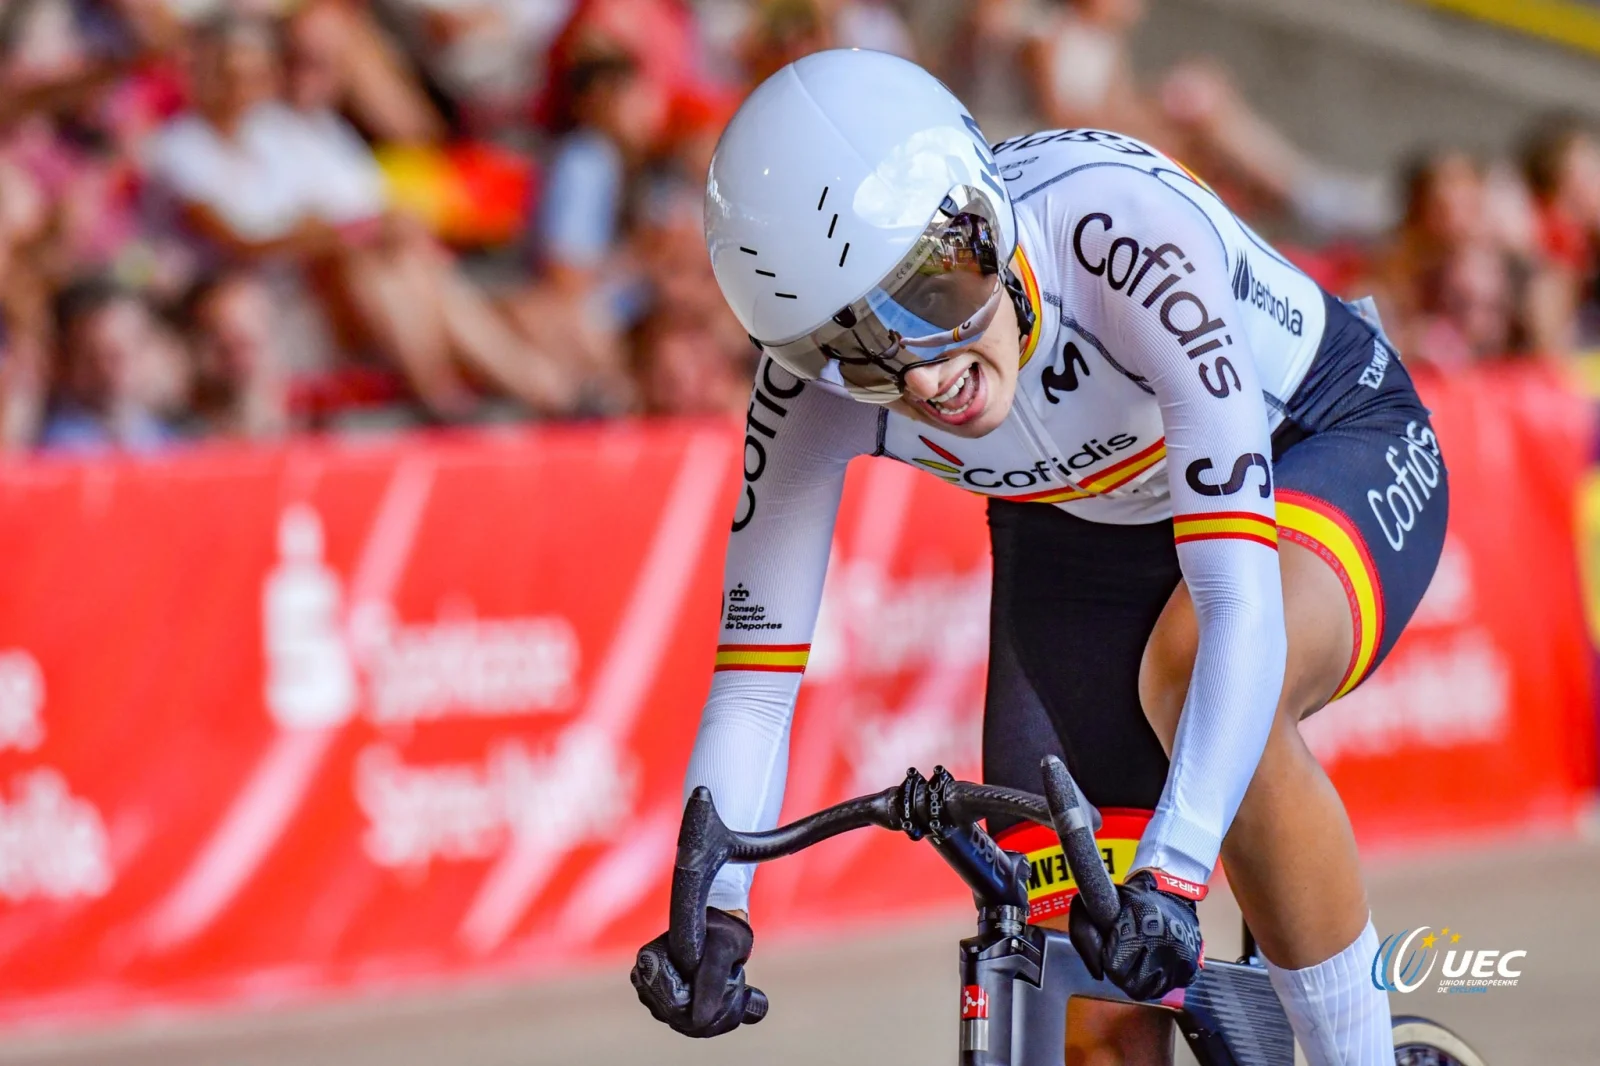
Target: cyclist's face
x=976, y=385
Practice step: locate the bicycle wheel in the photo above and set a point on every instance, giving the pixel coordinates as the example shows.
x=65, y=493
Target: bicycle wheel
x=1419, y=1042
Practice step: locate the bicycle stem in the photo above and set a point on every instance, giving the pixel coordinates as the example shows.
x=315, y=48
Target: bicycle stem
x=998, y=878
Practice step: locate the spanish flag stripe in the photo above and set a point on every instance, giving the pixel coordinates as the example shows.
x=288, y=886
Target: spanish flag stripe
x=1225, y=525
x=1106, y=480
x=1269, y=540
x=1053, y=495
x=1323, y=528
x=759, y=668
x=1160, y=446
x=782, y=658
x=1128, y=469
x=1103, y=484
x=1030, y=285
x=1112, y=477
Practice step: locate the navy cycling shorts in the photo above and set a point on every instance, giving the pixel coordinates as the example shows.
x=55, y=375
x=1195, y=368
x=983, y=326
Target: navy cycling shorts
x=1359, y=481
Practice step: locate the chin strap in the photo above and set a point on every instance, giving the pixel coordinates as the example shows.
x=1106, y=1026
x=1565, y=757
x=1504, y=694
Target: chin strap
x=1026, y=313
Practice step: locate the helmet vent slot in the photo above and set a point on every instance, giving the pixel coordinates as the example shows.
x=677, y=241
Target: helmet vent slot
x=766, y=273
x=832, y=224
x=821, y=199
x=844, y=253
x=786, y=295
x=747, y=251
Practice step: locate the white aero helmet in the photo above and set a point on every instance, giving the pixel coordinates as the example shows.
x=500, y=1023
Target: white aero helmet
x=857, y=224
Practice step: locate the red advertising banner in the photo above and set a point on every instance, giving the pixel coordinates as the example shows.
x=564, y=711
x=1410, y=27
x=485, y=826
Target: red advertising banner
x=283, y=720
x=279, y=722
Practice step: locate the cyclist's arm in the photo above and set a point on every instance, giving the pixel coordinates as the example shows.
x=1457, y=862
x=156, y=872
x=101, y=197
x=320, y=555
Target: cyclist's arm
x=799, y=438
x=1191, y=346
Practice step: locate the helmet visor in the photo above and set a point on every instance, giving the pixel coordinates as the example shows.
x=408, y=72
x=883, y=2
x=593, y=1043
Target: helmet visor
x=940, y=298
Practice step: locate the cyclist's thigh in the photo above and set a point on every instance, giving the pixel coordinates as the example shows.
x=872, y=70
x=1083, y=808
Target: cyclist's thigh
x=1369, y=497
x=1072, y=606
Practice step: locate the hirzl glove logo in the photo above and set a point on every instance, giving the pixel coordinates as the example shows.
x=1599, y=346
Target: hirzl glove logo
x=1406, y=959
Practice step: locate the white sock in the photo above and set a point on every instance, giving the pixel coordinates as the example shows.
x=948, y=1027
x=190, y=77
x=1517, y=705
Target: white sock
x=1339, y=1016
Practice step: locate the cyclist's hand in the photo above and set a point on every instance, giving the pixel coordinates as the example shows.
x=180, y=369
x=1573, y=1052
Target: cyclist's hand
x=714, y=999
x=1153, y=946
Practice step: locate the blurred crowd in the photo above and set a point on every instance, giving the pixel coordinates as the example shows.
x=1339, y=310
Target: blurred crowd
x=250, y=218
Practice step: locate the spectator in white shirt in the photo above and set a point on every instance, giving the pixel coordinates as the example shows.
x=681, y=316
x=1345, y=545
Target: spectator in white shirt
x=257, y=178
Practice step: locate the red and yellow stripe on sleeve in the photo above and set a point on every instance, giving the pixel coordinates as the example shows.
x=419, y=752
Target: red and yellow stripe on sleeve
x=1225, y=525
x=772, y=658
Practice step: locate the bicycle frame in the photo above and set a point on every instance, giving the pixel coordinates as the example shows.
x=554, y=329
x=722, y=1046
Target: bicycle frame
x=1017, y=979
x=1019, y=982
x=1016, y=988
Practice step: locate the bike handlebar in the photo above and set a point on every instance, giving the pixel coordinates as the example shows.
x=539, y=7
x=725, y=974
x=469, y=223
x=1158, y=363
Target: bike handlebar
x=916, y=807
x=1074, y=826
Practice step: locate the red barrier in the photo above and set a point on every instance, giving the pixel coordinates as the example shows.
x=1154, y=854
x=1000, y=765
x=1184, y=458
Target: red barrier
x=285, y=720
x=278, y=722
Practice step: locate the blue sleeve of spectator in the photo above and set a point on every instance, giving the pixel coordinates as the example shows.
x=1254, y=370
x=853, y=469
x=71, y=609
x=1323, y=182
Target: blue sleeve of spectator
x=582, y=199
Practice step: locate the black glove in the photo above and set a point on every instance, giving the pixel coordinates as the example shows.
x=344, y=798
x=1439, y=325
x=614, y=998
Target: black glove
x=717, y=999
x=1153, y=946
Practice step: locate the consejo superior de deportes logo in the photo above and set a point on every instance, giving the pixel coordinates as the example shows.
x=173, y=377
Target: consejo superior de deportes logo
x=1405, y=960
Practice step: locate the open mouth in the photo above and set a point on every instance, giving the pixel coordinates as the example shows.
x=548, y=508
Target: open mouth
x=962, y=401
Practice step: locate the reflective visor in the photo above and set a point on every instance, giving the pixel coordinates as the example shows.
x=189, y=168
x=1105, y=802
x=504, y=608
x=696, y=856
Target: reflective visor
x=940, y=298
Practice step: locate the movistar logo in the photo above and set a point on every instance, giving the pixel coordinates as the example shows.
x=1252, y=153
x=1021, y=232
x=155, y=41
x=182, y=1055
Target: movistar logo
x=1249, y=289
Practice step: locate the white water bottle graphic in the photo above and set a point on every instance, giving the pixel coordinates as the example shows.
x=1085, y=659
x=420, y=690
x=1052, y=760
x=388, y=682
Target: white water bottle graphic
x=310, y=678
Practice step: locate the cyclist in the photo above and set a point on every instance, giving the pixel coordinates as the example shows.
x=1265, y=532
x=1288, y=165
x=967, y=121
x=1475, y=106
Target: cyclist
x=1214, y=501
